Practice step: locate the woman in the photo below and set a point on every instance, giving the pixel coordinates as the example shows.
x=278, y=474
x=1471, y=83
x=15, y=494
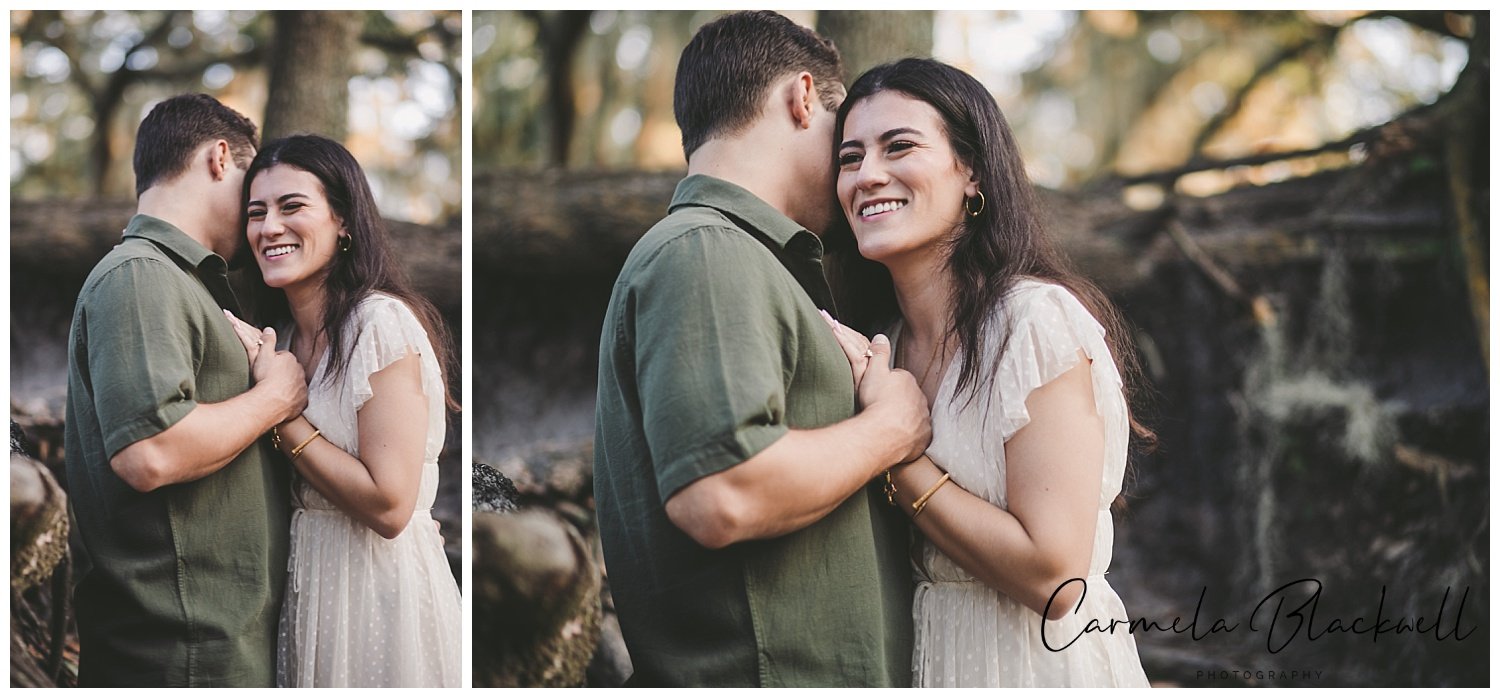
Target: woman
x=370, y=599
x=1017, y=357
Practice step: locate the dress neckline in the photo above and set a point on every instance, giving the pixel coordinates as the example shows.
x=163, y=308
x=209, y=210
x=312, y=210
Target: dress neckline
x=942, y=388
x=322, y=361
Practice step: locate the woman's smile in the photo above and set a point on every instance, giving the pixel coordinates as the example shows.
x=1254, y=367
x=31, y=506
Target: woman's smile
x=872, y=209
x=279, y=250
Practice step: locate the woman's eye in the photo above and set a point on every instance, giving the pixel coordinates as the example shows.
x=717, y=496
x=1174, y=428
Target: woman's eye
x=255, y=214
x=898, y=146
x=848, y=159
x=291, y=207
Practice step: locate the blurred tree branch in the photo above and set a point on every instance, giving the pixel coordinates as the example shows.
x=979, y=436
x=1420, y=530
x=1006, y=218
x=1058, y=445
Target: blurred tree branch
x=379, y=32
x=1322, y=38
x=1435, y=21
x=105, y=99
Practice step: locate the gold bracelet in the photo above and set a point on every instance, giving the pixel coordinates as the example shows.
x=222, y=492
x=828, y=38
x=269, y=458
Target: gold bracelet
x=275, y=437
x=921, y=503
x=890, y=489
x=298, y=450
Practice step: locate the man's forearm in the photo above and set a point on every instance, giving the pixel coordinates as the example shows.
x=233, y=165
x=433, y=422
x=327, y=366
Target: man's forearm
x=199, y=444
x=789, y=485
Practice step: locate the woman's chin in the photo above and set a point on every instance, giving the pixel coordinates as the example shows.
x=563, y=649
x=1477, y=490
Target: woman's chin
x=877, y=251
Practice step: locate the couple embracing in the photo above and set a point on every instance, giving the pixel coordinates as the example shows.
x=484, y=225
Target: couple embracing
x=762, y=469
x=252, y=505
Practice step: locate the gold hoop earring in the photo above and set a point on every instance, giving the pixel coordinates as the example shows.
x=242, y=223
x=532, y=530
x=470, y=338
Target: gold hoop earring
x=974, y=213
x=346, y=243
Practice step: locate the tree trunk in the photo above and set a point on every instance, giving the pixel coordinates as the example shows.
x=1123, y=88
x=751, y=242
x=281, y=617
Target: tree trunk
x=868, y=38
x=559, y=34
x=310, y=70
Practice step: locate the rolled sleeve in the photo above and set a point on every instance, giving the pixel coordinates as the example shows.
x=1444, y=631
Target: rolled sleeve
x=712, y=349
x=141, y=351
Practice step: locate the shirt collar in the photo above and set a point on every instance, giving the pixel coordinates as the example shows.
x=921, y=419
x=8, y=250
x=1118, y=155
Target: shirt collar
x=738, y=203
x=171, y=239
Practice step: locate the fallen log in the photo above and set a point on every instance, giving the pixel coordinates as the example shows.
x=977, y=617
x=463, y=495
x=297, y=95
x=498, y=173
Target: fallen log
x=62, y=240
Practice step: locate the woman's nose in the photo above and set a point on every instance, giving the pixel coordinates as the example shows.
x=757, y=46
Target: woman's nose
x=871, y=173
x=270, y=226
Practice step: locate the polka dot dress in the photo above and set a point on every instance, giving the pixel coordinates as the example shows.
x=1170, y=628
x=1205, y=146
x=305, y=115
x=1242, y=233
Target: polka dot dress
x=968, y=634
x=361, y=610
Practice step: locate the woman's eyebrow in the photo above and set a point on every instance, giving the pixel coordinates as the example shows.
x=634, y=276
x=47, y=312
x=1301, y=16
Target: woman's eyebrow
x=884, y=137
x=280, y=200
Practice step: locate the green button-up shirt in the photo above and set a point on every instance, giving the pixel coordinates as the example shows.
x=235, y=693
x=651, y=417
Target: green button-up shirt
x=713, y=349
x=183, y=584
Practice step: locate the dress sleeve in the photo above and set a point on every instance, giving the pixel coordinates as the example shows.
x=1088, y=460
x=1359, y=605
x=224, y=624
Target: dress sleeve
x=389, y=331
x=1049, y=327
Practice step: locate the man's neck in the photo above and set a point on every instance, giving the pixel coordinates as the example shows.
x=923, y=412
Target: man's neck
x=756, y=166
x=181, y=210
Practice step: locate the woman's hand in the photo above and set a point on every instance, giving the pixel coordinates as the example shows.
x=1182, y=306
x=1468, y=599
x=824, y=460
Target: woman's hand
x=249, y=336
x=855, y=345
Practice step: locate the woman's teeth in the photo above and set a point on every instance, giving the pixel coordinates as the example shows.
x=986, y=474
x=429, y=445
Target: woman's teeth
x=279, y=250
x=881, y=207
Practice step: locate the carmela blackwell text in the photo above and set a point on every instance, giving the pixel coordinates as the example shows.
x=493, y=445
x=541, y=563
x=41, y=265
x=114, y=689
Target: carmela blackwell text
x=1284, y=615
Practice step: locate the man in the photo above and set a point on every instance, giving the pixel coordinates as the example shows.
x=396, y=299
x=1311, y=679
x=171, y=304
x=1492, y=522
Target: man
x=179, y=508
x=745, y=542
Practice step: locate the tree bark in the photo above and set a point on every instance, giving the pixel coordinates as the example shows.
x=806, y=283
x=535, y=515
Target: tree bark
x=310, y=70
x=868, y=38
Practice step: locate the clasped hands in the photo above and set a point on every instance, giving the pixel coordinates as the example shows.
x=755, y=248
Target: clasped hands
x=278, y=373
x=889, y=392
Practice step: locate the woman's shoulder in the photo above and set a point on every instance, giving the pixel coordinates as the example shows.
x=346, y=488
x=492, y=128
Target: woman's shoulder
x=1031, y=299
x=385, y=319
x=378, y=305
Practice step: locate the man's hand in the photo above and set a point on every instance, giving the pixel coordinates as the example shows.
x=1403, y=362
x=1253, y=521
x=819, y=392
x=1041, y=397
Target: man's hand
x=280, y=375
x=894, y=396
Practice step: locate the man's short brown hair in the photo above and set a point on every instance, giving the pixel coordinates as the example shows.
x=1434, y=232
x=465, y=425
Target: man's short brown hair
x=726, y=69
x=177, y=127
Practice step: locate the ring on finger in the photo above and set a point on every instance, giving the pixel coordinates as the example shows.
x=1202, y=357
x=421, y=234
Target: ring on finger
x=869, y=353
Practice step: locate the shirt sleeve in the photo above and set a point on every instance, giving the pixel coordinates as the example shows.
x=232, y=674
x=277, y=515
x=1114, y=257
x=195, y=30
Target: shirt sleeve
x=143, y=351
x=713, y=341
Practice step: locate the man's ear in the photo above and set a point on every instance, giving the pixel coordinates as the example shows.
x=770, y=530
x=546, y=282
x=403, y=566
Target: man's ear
x=219, y=158
x=802, y=98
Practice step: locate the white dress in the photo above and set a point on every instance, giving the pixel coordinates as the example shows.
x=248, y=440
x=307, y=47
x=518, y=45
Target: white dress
x=361, y=610
x=968, y=634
